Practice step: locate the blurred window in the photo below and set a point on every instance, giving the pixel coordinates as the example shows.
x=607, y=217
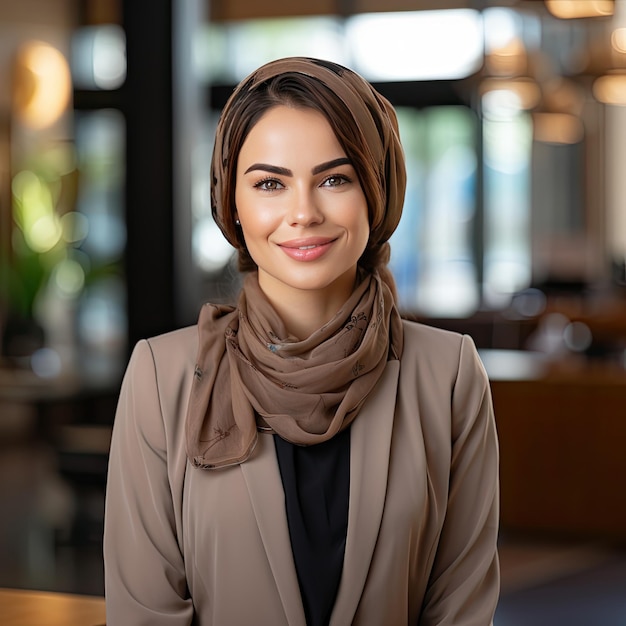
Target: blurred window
x=99, y=57
x=416, y=45
x=433, y=249
x=100, y=146
x=411, y=45
x=507, y=145
x=228, y=52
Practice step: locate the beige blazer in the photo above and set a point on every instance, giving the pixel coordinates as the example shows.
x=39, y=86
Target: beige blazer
x=193, y=546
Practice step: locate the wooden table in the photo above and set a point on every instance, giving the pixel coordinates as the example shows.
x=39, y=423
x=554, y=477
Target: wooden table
x=562, y=432
x=20, y=607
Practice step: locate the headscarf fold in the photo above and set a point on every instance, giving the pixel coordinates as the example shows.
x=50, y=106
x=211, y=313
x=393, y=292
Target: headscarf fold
x=251, y=374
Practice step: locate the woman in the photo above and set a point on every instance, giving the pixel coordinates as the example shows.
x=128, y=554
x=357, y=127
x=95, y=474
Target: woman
x=305, y=457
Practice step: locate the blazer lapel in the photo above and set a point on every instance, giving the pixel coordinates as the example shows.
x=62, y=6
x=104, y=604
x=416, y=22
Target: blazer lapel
x=370, y=443
x=262, y=477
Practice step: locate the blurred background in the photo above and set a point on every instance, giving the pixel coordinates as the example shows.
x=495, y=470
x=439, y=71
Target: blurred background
x=513, y=118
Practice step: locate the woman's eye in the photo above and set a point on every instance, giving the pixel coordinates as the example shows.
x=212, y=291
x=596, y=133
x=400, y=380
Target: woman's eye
x=336, y=180
x=269, y=184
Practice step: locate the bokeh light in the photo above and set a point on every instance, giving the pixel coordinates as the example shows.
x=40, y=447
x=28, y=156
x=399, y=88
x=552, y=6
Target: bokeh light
x=34, y=212
x=46, y=363
x=42, y=85
x=69, y=277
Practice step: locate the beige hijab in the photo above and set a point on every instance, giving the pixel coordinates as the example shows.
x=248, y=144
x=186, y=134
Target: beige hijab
x=250, y=373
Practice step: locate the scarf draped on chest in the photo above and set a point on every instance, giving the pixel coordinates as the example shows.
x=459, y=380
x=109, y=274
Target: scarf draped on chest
x=252, y=375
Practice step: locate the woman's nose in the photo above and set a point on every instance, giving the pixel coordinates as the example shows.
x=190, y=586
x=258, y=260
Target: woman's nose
x=304, y=209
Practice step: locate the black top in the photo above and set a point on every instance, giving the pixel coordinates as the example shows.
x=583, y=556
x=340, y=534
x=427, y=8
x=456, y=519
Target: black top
x=316, y=481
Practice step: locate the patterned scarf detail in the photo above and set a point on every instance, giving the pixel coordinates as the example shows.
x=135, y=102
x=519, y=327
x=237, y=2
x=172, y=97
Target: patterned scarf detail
x=252, y=375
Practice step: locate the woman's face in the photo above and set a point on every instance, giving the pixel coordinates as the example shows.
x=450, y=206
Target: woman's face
x=302, y=210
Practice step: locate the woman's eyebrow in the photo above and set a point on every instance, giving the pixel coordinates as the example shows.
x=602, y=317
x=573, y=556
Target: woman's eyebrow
x=283, y=171
x=273, y=169
x=322, y=167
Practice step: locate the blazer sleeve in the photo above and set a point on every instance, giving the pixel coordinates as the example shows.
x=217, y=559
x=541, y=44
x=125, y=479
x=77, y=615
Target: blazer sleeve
x=465, y=581
x=144, y=570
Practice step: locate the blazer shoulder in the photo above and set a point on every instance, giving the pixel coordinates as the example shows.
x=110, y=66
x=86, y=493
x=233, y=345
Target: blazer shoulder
x=161, y=368
x=445, y=352
x=176, y=344
x=430, y=341
x=170, y=355
x=175, y=338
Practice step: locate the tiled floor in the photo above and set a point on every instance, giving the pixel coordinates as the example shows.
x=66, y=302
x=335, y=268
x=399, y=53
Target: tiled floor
x=561, y=584
x=543, y=583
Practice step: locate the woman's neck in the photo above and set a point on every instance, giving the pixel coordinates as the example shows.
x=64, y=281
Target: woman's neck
x=304, y=311
x=303, y=317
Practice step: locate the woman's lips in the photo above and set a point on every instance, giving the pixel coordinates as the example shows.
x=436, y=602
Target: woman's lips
x=309, y=249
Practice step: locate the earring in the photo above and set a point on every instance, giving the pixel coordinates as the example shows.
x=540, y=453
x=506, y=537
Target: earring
x=238, y=222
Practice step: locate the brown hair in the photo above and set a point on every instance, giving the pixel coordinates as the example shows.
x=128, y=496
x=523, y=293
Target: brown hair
x=363, y=121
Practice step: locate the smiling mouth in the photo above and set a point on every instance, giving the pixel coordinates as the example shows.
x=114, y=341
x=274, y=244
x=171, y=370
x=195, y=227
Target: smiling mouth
x=307, y=244
x=310, y=250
